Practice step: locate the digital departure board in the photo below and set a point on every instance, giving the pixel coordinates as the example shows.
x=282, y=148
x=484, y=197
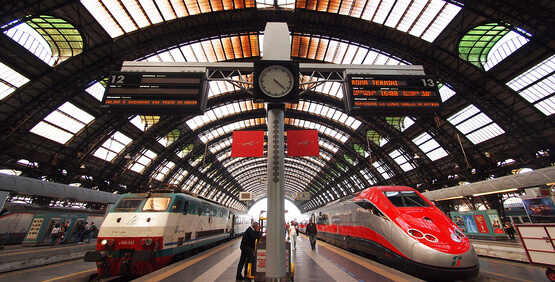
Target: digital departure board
x=391, y=95
x=156, y=93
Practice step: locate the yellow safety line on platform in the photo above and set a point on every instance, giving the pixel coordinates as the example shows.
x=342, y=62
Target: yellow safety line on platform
x=63, y=278
x=171, y=270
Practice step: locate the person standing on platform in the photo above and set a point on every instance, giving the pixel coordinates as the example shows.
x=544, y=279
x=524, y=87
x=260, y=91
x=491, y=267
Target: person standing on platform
x=247, y=248
x=312, y=231
x=510, y=230
x=293, y=232
x=54, y=234
x=92, y=230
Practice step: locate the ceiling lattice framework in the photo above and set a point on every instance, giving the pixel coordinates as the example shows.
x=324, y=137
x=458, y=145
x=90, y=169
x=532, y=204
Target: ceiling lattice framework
x=337, y=32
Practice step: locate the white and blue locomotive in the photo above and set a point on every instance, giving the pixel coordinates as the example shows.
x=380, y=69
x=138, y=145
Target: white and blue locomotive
x=146, y=231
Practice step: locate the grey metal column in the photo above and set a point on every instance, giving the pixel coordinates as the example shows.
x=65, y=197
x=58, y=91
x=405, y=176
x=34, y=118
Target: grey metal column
x=276, y=47
x=275, y=245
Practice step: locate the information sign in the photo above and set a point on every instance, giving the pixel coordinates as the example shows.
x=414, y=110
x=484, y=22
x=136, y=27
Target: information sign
x=156, y=93
x=392, y=95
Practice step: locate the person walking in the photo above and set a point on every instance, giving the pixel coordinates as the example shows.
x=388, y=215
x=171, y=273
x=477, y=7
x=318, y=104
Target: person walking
x=312, y=231
x=293, y=232
x=247, y=248
x=510, y=230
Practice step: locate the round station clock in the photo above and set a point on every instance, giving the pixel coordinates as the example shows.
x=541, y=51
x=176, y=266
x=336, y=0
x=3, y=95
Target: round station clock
x=276, y=81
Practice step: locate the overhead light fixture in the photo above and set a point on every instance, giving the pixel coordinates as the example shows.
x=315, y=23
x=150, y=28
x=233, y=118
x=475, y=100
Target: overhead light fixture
x=456, y=165
x=83, y=166
x=416, y=156
x=127, y=157
x=495, y=192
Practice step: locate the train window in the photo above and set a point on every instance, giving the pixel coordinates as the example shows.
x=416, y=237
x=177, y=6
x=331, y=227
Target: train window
x=128, y=205
x=186, y=208
x=323, y=219
x=405, y=199
x=370, y=208
x=177, y=206
x=156, y=204
x=206, y=210
x=193, y=208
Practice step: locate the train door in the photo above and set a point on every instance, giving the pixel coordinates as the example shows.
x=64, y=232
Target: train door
x=73, y=231
x=233, y=218
x=50, y=225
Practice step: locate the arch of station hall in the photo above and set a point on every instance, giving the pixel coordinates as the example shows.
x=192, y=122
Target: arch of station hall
x=494, y=61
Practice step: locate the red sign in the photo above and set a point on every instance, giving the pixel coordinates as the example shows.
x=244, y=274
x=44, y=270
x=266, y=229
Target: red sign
x=302, y=143
x=247, y=144
x=481, y=223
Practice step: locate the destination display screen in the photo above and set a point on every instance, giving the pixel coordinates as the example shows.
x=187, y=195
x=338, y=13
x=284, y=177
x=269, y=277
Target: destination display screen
x=391, y=95
x=156, y=93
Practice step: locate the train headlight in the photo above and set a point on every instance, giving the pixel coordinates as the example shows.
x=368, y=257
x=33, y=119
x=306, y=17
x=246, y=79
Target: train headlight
x=459, y=233
x=108, y=242
x=431, y=238
x=415, y=233
x=146, y=242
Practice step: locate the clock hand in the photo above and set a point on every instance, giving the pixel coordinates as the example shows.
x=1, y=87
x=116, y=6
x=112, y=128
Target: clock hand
x=280, y=84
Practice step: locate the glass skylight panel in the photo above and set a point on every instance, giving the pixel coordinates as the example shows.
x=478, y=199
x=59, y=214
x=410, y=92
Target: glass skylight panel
x=511, y=42
x=477, y=126
x=396, y=13
x=29, y=38
x=401, y=160
x=421, y=18
x=96, y=90
x=537, y=86
x=112, y=147
x=429, y=146
x=407, y=122
x=380, y=168
x=10, y=81
x=63, y=123
x=51, y=132
x=446, y=92
x=103, y=17
x=142, y=161
x=368, y=176
x=215, y=148
x=164, y=169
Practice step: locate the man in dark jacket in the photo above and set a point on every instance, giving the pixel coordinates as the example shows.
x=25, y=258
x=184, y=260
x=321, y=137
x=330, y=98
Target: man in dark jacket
x=247, y=247
x=312, y=231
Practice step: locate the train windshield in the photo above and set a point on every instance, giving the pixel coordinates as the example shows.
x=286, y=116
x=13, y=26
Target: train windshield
x=157, y=204
x=128, y=205
x=405, y=199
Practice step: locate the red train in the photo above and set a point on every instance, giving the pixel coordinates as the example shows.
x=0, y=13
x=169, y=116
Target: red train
x=399, y=227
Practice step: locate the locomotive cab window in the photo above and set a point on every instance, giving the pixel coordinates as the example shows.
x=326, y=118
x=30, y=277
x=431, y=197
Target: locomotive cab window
x=369, y=207
x=157, y=204
x=177, y=205
x=128, y=205
x=405, y=199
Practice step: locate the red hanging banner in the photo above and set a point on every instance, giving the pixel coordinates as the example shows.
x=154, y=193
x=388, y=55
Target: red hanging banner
x=247, y=144
x=302, y=143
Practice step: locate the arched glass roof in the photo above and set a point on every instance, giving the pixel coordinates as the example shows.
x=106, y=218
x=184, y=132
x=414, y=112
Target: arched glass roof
x=55, y=110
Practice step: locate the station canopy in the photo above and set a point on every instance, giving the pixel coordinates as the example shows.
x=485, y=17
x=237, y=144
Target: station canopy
x=494, y=62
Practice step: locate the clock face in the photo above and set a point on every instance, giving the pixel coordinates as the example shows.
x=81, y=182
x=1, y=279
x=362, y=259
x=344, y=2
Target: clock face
x=276, y=81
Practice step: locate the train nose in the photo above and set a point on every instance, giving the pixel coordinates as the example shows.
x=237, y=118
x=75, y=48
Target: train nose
x=429, y=256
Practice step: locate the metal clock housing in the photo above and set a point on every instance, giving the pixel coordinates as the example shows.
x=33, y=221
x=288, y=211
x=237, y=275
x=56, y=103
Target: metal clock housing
x=276, y=81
